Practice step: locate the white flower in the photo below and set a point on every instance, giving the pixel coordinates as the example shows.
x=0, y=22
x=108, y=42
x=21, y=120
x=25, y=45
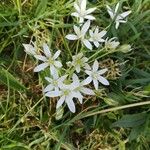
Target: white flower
x=96, y=36
x=55, y=82
x=81, y=11
x=80, y=88
x=78, y=62
x=29, y=49
x=48, y=60
x=119, y=18
x=111, y=43
x=66, y=94
x=80, y=34
x=95, y=75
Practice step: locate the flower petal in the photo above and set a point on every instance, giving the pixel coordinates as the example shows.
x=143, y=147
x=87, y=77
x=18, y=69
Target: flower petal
x=86, y=81
x=87, y=91
x=103, y=80
x=56, y=54
x=90, y=10
x=60, y=102
x=116, y=8
x=48, y=88
x=76, y=7
x=58, y=64
x=49, y=79
x=85, y=27
x=75, y=14
x=89, y=17
x=40, y=57
x=71, y=37
x=87, y=44
x=125, y=14
x=53, y=94
x=29, y=49
x=95, y=65
x=70, y=103
x=40, y=67
x=96, y=44
x=95, y=84
x=46, y=50
x=109, y=10
x=102, y=71
x=83, y=5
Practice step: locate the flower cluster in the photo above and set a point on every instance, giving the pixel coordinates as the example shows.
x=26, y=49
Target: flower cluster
x=70, y=85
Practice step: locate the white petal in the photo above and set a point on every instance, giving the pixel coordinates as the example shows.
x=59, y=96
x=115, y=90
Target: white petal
x=95, y=84
x=78, y=68
x=125, y=14
x=71, y=37
x=40, y=57
x=58, y=64
x=77, y=31
x=52, y=69
x=81, y=20
x=102, y=71
x=70, y=103
x=48, y=88
x=85, y=27
x=83, y=5
x=53, y=94
x=87, y=81
x=40, y=67
x=91, y=33
x=90, y=10
x=103, y=80
x=56, y=54
x=76, y=7
x=95, y=65
x=61, y=79
x=117, y=24
x=46, y=50
x=96, y=44
x=87, y=91
x=117, y=7
x=109, y=10
x=88, y=72
x=87, y=44
x=55, y=74
x=60, y=102
x=29, y=49
x=89, y=17
x=48, y=79
x=102, y=33
x=75, y=14
x=78, y=95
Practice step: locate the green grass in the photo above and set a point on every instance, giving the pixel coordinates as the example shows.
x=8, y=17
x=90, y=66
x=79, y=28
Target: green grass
x=118, y=117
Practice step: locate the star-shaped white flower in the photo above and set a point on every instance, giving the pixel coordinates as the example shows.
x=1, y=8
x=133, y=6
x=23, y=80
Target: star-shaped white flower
x=81, y=11
x=111, y=43
x=30, y=49
x=66, y=94
x=97, y=37
x=55, y=82
x=79, y=88
x=48, y=60
x=80, y=34
x=119, y=18
x=95, y=75
x=78, y=62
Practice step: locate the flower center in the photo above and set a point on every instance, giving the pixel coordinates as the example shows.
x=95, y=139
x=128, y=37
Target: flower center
x=51, y=60
x=95, y=75
x=55, y=82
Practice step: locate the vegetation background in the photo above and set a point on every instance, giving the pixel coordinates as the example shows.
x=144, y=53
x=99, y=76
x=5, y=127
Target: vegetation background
x=117, y=118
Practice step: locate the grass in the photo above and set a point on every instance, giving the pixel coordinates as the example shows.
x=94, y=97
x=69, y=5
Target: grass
x=118, y=117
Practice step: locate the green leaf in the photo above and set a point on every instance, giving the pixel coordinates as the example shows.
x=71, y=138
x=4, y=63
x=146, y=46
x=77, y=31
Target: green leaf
x=41, y=8
x=9, y=80
x=131, y=120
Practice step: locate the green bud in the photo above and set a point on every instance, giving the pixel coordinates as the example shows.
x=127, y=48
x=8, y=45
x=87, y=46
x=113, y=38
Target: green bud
x=125, y=48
